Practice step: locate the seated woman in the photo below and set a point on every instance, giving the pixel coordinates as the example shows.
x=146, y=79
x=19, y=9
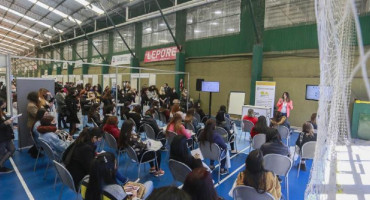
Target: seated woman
x=47, y=131
x=128, y=138
x=179, y=151
x=279, y=119
x=190, y=119
x=221, y=122
x=111, y=127
x=78, y=156
x=274, y=144
x=94, y=115
x=176, y=126
x=210, y=135
x=102, y=179
x=260, y=127
x=163, y=109
x=305, y=136
x=148, y=119
x=257, y=177
x=199, y=185
x=199, y=111
x=250, y=117
x=135, y=114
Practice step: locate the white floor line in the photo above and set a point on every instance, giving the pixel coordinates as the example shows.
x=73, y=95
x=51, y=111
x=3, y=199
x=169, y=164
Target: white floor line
x=233, y=156
x=228, y=176
x=25, y=187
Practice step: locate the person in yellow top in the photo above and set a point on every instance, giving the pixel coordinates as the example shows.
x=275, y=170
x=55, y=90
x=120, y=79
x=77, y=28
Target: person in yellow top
x=257, y=177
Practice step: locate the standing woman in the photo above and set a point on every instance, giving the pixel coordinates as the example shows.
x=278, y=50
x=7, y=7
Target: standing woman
x=285, y=104
x=6, y=139
x=72, y=109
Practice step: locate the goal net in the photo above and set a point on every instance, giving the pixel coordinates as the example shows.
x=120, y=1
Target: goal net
x=340, y=42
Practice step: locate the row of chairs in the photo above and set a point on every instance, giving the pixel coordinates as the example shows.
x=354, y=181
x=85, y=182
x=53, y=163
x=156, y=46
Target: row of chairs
x=180, y=170
x=283, y=130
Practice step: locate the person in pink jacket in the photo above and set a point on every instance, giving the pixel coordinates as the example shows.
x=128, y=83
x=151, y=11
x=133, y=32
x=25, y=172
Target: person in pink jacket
x=176, y=126
x=285, y=104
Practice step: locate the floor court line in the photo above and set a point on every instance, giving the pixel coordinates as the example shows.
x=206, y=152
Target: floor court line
x=25, y=187
x=229, y=175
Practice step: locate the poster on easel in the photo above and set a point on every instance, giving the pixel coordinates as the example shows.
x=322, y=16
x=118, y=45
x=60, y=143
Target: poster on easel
x=265, y=94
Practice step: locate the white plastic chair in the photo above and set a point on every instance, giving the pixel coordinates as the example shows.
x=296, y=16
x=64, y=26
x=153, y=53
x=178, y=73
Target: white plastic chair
x=246, y=127
x=212, y=152
x=66, y=178
x=112, y=143
x=178, y=170
x=284, y=133
x=280, y=165
x=132, y=155
x=257, y=141
x=228, y=140
x=243, y=192
x=307, y=152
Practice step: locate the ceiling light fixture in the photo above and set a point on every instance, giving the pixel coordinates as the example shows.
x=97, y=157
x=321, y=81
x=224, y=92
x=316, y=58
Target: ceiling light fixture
x=29, y=18
x=90, y=6
x=12, y=43
x=23, y=42
x=5, y=49
x=60, y=13
x=16, y=48
x=19, y=33
x=24, y=27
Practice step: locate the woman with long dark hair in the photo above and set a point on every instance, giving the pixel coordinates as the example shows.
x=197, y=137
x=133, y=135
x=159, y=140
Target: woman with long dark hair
x=285, y=104
x=129, y=139
x=78, y=156
x=102, y=178
x=180, y=152
x=199, y=185
x=305, y=136
x=221, y=122
x=257, y=177
x=94, y=114
x=260, y=127
x=274, y=144
x=210, y=135
x=72, y=108
x=279, y=119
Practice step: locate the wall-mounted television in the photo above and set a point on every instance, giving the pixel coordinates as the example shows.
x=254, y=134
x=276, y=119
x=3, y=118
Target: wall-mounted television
x=312, y=92
x=210, y=86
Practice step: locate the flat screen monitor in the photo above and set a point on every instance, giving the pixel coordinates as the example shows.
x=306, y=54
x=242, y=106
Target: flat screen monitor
x=312, y=92
x=208, y=86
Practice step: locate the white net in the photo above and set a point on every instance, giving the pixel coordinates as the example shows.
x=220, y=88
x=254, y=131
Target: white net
x=338, y=26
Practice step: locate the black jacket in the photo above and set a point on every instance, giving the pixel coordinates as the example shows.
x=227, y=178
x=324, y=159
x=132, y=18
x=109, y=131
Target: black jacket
x=6, y=131
x=151, y=122
x=80, y=157
x=136, y=117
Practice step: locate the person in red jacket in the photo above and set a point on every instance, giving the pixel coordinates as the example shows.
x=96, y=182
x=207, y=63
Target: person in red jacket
x=250, y=117
x=111, y=127
x=285, y=105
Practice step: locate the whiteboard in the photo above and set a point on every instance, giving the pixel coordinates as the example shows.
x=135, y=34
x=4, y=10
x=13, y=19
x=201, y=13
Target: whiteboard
x=236, y=102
